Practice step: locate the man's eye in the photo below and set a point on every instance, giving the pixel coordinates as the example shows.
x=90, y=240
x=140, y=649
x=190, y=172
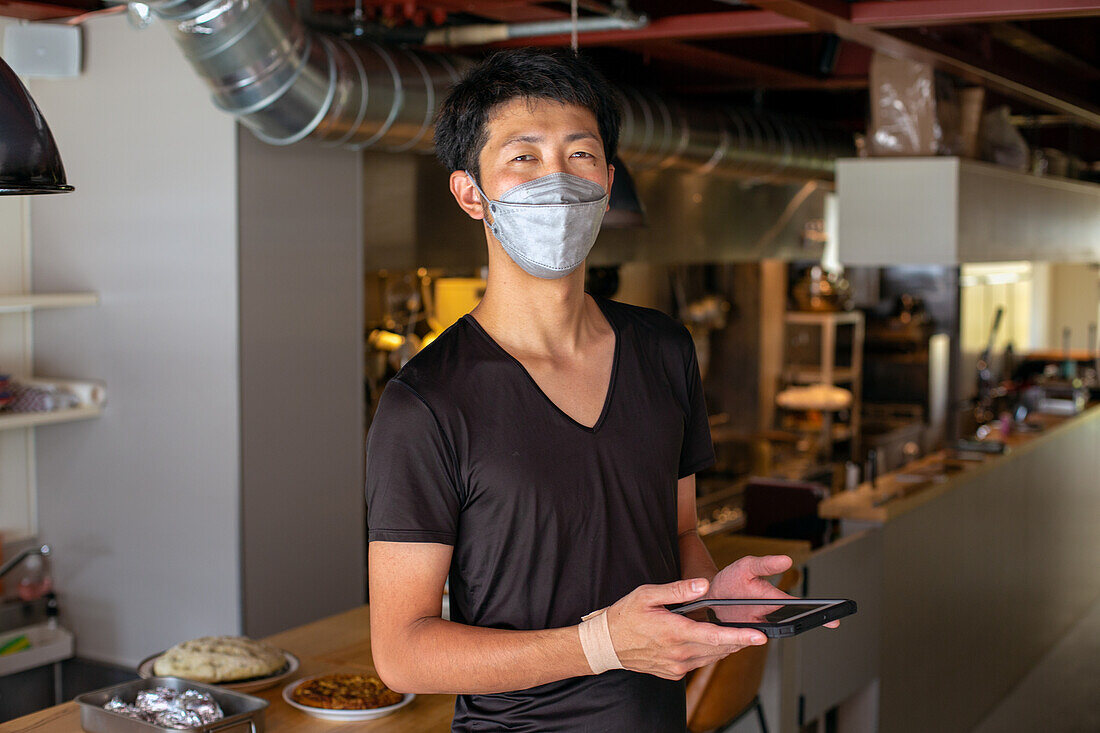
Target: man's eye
x=524, y=158
x=582, y=154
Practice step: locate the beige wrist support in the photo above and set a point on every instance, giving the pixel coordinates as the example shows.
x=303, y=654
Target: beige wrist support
x=596, y=643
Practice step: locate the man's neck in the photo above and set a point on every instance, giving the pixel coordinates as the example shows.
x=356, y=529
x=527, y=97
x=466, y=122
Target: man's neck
x=534, y=316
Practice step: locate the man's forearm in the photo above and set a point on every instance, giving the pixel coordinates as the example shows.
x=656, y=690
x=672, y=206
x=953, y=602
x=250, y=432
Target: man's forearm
x=437, y=656
x=695, y=559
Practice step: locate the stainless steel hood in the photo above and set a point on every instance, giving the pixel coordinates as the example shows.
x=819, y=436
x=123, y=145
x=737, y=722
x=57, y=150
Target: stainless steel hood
x=947, y=211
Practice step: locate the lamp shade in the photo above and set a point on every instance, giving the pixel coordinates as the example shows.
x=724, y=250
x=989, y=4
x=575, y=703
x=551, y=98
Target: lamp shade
x=29, y=161
x=626, y=210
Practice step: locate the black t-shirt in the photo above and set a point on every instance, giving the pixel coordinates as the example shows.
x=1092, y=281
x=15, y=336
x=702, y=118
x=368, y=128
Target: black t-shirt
x=549, y=519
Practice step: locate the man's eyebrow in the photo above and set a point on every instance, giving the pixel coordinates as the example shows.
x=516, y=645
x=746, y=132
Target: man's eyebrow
x=522, y=139
x=584, y=135
x=570, y=138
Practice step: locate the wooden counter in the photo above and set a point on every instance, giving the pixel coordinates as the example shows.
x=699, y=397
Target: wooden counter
x=979, y=575
x=337, y=643
x=342, y=643
x=928, y=478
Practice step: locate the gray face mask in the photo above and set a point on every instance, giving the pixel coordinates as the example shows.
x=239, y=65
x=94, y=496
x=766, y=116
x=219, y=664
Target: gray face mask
x=548, y=225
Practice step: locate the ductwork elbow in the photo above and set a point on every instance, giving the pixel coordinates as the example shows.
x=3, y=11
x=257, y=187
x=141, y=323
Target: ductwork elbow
x=287, y=83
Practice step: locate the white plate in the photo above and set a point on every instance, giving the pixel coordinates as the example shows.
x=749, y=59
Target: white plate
x=348, y=716
x=145, y=670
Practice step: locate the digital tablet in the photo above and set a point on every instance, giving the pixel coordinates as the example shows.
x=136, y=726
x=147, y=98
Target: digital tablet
x=775, y=618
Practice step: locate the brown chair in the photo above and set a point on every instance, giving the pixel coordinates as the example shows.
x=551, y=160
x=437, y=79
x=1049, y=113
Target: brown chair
x=722, y=693
x=787, y=509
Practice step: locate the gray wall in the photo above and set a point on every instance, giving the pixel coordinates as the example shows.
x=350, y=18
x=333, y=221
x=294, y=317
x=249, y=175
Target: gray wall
x=302, y=435
x=141, y=505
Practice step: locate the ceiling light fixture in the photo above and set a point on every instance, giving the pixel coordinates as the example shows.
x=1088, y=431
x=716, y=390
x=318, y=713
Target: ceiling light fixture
x=29, y=160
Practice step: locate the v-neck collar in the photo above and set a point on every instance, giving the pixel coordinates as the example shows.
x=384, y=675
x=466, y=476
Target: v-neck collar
x=610, y=382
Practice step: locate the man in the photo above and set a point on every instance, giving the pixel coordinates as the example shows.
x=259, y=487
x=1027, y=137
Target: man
x=542, y=450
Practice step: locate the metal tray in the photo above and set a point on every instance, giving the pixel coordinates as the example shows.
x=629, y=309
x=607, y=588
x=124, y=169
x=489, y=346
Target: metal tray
x=243, y=713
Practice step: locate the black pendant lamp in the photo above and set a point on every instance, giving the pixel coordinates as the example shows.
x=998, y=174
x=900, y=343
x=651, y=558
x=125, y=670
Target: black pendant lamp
x=29, y=161
x=627, y=211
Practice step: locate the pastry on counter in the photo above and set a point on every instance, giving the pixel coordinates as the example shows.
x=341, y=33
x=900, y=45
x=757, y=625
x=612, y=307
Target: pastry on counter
x=214, y=659
x=346, y=692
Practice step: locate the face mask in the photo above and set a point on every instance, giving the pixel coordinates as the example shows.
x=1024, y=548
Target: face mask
x=548, y=225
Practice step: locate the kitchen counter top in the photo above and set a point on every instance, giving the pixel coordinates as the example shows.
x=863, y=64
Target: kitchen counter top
x=342, y=643
x=339, y=643
x=914, y=485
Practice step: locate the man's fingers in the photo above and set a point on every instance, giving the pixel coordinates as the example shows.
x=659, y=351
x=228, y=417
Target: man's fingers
x=766, y=565
x=714, y=636
x=681, y=591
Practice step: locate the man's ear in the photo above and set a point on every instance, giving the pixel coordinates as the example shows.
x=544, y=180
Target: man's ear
x=466, y=195
x=610, y=180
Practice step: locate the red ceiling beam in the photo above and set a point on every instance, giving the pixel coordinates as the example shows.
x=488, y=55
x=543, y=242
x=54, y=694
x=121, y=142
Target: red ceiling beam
x=800, y=17
x=30, y=10
x=817, y=13
x=503, y=11
x=879, y=14
x=821, y=15
x=752, y=73
x=782, y=17
x=692, y=26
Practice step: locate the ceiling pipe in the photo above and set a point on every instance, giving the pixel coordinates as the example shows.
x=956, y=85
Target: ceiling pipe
x=287, y=83
x=482, y=33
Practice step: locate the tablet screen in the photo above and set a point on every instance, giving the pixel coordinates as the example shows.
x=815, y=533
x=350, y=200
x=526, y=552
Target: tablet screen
x=755, y=614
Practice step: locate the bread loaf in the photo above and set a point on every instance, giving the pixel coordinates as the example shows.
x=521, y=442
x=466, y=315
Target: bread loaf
x=215, y=659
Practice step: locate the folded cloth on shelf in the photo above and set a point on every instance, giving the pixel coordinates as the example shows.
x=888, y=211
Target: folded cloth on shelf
x=39, y=399
x=87, y=393
x=45, y=395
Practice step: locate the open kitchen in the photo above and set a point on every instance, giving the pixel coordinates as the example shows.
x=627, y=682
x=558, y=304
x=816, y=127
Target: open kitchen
x=871, y=229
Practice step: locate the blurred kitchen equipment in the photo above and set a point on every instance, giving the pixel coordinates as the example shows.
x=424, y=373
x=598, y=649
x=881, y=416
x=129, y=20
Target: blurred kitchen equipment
x=872, y=466
x=983, y=408
x=453, y=298
x=1069, y=365
x=1056, y=397
x=701, y=317
x=1094, y=339
x=40, y=576
x=820, y=291
x=895, y=432
x=826, y=399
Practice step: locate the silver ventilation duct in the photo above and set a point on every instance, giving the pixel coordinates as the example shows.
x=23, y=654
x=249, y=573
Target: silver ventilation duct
x=288, y=83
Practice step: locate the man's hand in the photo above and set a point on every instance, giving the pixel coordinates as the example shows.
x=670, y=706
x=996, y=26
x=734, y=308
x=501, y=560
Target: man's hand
x=748, y=578
x=651, y=639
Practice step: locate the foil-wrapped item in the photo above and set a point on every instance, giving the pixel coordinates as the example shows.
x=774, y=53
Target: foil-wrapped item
x=177, y=718
x=156, y=700
x=168, y=708
x=201, y=704
x=116, y=705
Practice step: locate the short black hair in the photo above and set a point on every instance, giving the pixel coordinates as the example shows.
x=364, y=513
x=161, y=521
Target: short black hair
x=525, y=73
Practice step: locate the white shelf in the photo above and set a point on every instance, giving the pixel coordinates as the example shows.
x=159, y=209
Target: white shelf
x=22, y=303
x=817, y=318
x=13, y=420
x=810, y=375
